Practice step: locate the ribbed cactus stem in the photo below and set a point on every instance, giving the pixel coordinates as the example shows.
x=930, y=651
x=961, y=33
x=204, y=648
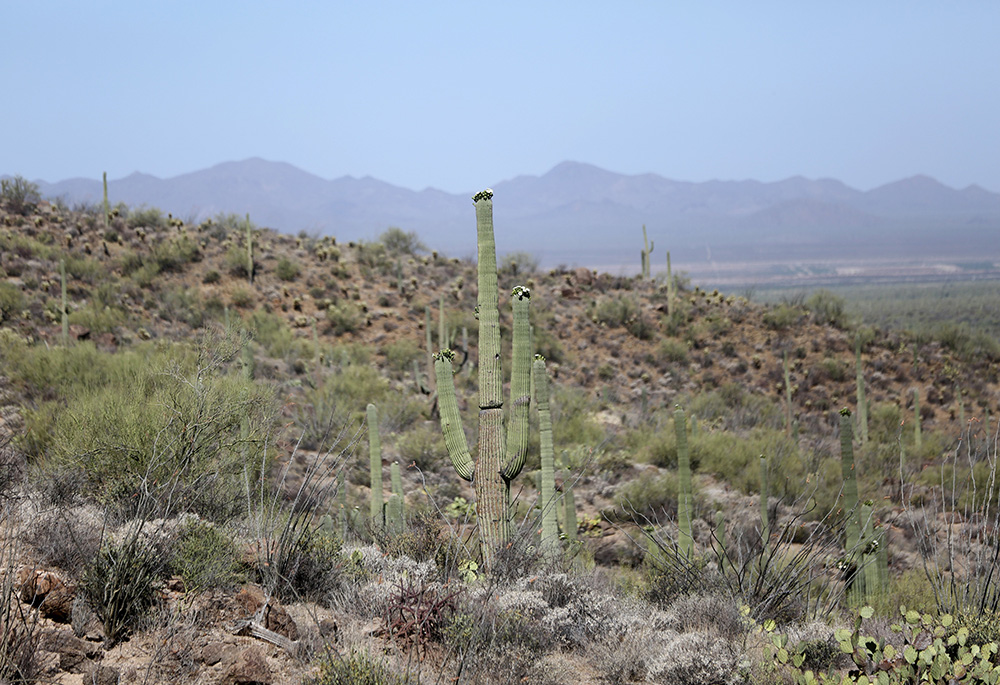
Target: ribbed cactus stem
x=428, y=342
x=870, y=560
x=647, y=249
x=394, y=515
x=467, y=369
x=685, y=537
x=376, y=514
x=396, y=480
x=107, y=206
x=500, y=453
x=850, y=494
x=65, y=304
x=862, y=402
x=788, y=394
x=249, y=229
x=550, y=527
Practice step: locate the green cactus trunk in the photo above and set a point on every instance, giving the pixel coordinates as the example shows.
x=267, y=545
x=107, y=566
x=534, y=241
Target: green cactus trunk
x=685, y=540
x=647, y=249
x=788, y=394
x=394, y=515
x=850, y=507
x=65, y=305
x=249, y=250
x=376, y=515
x=670, y=289
x=871, y=559
x=107, y=206
x=862, y=402
x=429, y=343
x=499, y=455
x=918, y=440
x=342, y=505
x=550, y=526
x=397, y=487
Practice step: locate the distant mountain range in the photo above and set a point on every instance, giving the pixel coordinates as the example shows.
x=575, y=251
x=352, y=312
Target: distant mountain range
x=581, y=214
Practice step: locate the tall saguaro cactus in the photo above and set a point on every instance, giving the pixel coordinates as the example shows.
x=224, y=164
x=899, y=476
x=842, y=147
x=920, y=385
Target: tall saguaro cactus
x=499, y=455
x=107, y=207
x=862, y=401
x=249, y=250
x=647, y=249
x=375, y=461
x=685, y=536
x=850, y=507
x=550, y=527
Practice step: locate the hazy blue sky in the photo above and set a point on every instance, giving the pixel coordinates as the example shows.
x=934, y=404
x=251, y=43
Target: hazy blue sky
x=461, y=95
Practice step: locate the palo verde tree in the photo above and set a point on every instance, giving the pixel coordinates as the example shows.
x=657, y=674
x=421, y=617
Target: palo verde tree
x=499, y=454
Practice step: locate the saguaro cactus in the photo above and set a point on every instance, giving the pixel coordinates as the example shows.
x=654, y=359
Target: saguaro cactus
x=107, y=207
x=917, y=437
x=550, y=527
x=249, y=250
x=765, y=525
x=862, y=401
x=647, y=249
x=65, y=305
x=670, y=289
x=375, y=459
x=850, y=501
x=499, y=456
x=685, y=537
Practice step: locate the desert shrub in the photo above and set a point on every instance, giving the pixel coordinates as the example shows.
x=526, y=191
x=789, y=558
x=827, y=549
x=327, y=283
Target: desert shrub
x=119, y=582
x=616, y=312
x=212, y=276
x=66, y=540
x=827, y=308
x=833, y=369
x=344, y=317
x=732, y=407
x=401, y=353
x=236, y=261
x=399, y=242
x=287, y=270
x=672, y=350
x=183, y=304
x=372, y=255
x=206, y=558
x=241, y=298
x=171, y=255
x=782, y=316
x=11, y=301
x=736, y=458
x=424, y=446
x=518, y=263
x=308, y=564
x=19, y=195
x=157, y=425
x=647, y=497
x=146, y=217
x=355, y=668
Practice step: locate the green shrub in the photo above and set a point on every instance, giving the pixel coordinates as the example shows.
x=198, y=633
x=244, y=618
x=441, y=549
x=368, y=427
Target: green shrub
x=344, y=317
x=206, y=558
x=119, y=584
x=673, y=351
x=212, y=276
x=241, y=298
x=20, y=195
x=399, y=242
x=424, y=446
x=518, y=263
x=355, y=668
x=11, y=301
x=146, y=217
x=782, y=316
x=615, y=312
x=653, y=498
x=171, y=255
x=400, y=355
x=827, y=308
x=287, y=270
x=236, y=261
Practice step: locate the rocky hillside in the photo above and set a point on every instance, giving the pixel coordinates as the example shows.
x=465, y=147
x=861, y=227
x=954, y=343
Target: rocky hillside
x=297, y=335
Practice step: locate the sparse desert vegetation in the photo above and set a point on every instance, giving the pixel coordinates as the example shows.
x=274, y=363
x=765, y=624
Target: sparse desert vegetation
x=222, y=461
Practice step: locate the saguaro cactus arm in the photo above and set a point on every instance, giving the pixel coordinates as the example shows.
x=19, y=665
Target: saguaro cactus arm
x=375, y=462
x=451, y=421
x=550, y=529
x=520, y=386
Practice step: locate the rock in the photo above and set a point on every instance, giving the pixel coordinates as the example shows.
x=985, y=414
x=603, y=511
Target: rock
x=328, y=628
x=84, y=621
x=97, y=674
x=74, y=653
x=250, y=668
x=34, y=585
x=251, y=598
x=583, y=276
x=211, y=654
x=58, y=604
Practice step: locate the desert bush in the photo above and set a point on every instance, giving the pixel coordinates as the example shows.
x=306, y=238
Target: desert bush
x=19, y=195
x=782, y=316
x=172, y=255
x=119, y=582
x=518, y=264
x=672, y=350
x=11, y=301
x=827, y=308
x=287, y=270
x=344, y=317
x=355, y=668
x=649, y=497
x=146, y=217
x=211, y=276
x=400, y=355
x=236, y=261
x=616, y=312
x=399, y=242
x=68, y=540
x=241, y=298
x=206, y=557
x=424, y=446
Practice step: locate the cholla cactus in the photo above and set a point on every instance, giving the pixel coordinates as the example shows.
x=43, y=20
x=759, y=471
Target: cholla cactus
x=499, y=455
